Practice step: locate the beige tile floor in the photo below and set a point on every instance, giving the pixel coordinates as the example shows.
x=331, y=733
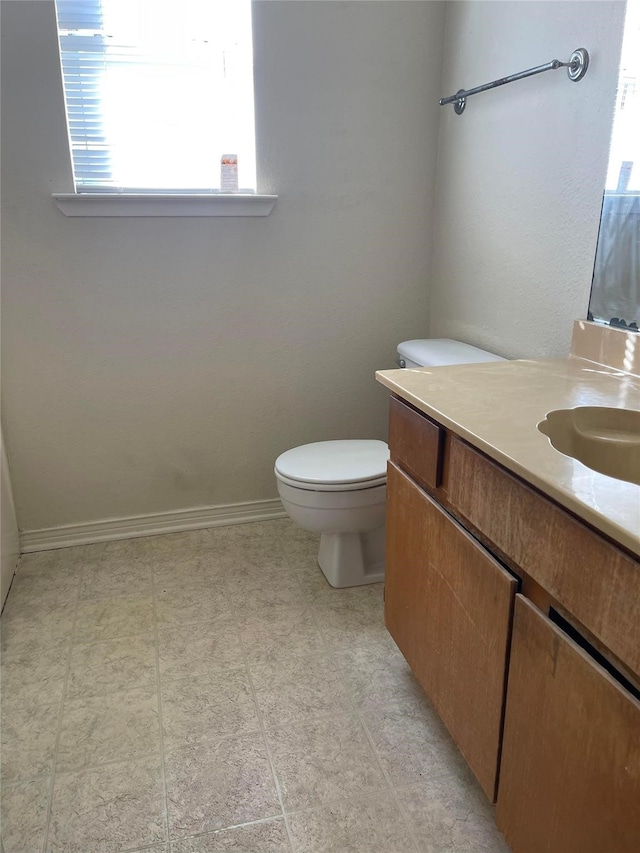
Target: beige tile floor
x=209, y=691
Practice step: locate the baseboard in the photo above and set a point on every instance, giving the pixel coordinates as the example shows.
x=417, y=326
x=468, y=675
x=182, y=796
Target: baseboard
x=135, y=526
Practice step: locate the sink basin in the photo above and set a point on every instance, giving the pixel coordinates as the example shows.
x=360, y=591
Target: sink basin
x=604, y=439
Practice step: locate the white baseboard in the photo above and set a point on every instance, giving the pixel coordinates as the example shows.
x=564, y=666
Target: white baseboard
x=135, y=526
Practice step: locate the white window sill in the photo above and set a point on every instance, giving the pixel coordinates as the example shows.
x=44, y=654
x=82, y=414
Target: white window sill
x=123, y=204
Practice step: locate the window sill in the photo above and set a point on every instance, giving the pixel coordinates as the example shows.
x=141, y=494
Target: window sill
x=122, y=204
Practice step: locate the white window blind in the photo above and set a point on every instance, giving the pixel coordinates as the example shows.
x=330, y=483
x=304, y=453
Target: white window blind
x=157, y=91
x=624, y=153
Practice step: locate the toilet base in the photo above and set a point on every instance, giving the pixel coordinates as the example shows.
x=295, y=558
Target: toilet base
x=352, y=559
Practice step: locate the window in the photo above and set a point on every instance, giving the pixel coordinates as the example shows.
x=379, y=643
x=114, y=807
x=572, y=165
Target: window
x=615, y=289
x=157, y=92
x=624, y=155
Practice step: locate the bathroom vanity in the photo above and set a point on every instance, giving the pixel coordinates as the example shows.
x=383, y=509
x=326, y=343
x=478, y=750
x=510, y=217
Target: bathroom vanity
x=513, y=591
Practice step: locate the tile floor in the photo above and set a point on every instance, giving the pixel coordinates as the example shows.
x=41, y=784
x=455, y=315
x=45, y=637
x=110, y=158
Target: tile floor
x=209, y=691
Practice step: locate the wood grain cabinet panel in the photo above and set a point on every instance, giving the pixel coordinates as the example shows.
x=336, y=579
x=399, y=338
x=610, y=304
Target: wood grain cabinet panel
x=593, y=580
x=448, y=605
x=416, y=444
x=570, y=773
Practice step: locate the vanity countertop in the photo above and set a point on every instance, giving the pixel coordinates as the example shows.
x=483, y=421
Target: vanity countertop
x=496, y=407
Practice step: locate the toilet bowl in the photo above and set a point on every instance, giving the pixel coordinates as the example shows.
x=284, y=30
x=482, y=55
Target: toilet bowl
x=338, y=488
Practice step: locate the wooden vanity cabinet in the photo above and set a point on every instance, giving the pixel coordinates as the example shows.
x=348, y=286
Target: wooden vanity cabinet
x=448, y=605
x=563, y=755
x=570, y=769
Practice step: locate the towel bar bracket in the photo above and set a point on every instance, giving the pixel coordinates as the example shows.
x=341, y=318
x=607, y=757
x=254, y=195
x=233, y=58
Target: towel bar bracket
x=578, y=64
x=576, y=69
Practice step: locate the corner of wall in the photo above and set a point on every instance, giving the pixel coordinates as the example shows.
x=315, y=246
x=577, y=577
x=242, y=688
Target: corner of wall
x=9, y=537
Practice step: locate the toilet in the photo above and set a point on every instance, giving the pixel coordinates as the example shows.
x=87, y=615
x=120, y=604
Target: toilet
x=338, y=488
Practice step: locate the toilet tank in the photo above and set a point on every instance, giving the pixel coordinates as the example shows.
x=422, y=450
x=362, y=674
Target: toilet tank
x=437, y=352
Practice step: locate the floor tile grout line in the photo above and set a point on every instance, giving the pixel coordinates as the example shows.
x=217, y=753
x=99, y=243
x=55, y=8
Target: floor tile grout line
x=13, y=705
x=372, y=746
x=24, y=780
x=224, y=829
x=100, y=640
x=265, y=740
x=109, y=691
x=89, y=768
x=116, y=637
x=269, y=756
x=217, y=741
x=163, y=771
x=157, y=845
x=369, y=796
x=60, y=716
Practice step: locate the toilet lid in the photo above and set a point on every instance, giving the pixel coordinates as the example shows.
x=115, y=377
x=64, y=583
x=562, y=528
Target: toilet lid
x=335, y=462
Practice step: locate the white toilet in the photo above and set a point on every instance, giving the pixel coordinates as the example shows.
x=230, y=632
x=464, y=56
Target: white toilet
x=338, y=488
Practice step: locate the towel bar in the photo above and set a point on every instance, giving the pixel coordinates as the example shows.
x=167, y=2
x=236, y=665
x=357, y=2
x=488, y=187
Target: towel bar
x=576, y=69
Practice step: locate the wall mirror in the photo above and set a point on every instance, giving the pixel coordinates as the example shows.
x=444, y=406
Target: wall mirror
x=615, y=290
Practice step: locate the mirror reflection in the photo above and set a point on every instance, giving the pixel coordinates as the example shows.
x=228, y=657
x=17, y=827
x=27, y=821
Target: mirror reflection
x=615, y=292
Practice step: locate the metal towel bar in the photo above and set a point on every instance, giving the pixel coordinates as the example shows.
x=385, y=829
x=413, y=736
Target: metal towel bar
x=576, y=69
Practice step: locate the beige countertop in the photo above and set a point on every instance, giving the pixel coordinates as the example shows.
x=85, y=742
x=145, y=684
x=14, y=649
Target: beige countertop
x=496, y=407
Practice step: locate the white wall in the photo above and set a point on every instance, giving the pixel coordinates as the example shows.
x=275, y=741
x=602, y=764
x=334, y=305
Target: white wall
x=9, y=541
x=162, y=364
x=521, y=173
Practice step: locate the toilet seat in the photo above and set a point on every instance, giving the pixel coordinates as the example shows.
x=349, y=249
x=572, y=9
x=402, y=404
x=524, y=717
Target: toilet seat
x=334, y=466
x=331, y=487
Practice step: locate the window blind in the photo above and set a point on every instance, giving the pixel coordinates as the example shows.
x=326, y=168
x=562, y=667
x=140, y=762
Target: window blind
x=156, y=92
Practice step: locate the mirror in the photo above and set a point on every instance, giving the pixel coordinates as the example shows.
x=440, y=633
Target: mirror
x=615, y=290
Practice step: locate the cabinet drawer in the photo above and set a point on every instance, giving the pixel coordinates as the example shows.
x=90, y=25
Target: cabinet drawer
x=448, y=606
x=590, y=578
x=570, y=773
x=416, y=444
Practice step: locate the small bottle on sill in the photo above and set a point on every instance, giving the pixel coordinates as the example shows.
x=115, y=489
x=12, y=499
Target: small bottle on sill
x=229, y=173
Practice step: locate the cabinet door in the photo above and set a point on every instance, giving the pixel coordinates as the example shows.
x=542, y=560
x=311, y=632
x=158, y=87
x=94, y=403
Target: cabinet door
x=448, y=605
x=595, y=581
x=570, y=773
